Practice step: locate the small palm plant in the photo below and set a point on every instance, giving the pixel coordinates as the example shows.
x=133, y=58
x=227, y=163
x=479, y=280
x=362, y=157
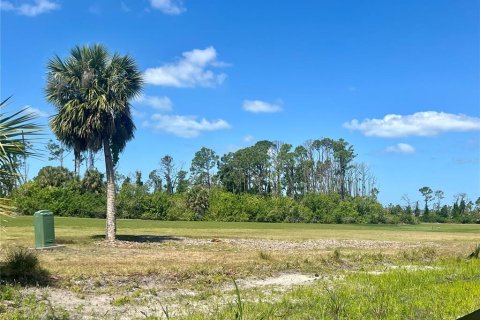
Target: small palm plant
x=16, y=131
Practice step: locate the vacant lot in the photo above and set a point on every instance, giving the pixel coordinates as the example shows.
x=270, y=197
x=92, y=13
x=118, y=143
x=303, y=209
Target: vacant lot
x=188, y=270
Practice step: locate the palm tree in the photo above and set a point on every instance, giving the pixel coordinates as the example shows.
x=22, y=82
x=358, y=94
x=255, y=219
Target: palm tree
x=91, y=90
x=16, y=131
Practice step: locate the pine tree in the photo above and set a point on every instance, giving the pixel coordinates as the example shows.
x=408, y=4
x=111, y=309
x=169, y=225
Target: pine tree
x=417, y=210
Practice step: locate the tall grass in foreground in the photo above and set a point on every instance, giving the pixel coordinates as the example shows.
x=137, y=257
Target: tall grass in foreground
x=448, y=291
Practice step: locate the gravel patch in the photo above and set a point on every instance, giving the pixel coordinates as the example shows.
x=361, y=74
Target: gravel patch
x=274, y=245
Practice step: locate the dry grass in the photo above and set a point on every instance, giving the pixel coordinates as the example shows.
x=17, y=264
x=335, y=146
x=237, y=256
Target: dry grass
x=163, y=258
x=170, y=248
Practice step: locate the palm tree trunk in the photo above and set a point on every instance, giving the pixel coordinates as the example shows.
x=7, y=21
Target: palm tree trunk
x=111, y=227
x=77, y=156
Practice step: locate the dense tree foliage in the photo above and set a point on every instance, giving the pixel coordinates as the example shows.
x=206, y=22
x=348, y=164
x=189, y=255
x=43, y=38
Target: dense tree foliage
x=66, y=195
x=59, y=190
x=278, y=169
x=317, y=182
x=202, y=165
x=57, y=152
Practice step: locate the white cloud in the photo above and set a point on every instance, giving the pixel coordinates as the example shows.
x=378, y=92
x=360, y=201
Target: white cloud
x=190, y=71
x=159, y=103
x=429, y=123
x=258, y=106
x=248, y=138
x=138, y=114
x=171, y=7
x=30, y=10
x=184, y=126
x=35, y=111
x=6, y=6
x=400, y=148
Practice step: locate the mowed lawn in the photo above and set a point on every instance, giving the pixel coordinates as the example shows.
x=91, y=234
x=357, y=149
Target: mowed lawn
x=20, y=230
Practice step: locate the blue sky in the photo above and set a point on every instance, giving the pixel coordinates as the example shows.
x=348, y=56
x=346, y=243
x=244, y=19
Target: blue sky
x=397, y=79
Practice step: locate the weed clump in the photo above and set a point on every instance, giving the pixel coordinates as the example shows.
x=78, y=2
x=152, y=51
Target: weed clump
x=264, y=255
x=476, y=252
x=238, y=309
x=337, y=302
x=423, y=254
x=121, y=301
x=23, y=267
x=336, y=255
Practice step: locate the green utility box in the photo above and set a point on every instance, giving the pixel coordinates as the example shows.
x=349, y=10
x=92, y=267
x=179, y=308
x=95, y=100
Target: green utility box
x=44, y=229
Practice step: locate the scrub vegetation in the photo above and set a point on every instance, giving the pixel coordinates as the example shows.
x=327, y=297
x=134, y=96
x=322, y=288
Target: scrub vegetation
x=60, y=191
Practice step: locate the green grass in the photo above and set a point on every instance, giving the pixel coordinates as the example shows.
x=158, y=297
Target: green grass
x=27, y=221
x=447, y=292
x=87, y=228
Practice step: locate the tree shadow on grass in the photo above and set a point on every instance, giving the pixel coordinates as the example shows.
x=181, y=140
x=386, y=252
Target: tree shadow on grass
x=140, y=238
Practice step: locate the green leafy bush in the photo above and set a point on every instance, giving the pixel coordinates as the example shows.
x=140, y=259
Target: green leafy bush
x=284, y=210
x=322, y=207
x=66, y=201
x=132, y=201
x=198, y=201
x=158, y=205
x=223, y=206
x=177, y=208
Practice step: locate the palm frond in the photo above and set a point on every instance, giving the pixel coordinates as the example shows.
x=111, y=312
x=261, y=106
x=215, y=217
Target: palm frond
x=91, y=90
x=16, y=131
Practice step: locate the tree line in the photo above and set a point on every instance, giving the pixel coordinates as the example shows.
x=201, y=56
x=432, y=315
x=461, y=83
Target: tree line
x=250, y=184
x=269, y=181
x=63, y=192
x=460, y=210
x=267, y=168
x=274, y=169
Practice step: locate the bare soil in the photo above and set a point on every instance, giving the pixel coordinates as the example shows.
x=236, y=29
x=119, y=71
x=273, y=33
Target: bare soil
x=276, y=245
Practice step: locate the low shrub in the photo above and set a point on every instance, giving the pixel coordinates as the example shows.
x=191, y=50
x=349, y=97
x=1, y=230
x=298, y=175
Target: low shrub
x=22, y=266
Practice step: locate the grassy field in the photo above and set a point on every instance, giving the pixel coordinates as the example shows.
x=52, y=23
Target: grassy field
x=187, y=270
x=21, y=229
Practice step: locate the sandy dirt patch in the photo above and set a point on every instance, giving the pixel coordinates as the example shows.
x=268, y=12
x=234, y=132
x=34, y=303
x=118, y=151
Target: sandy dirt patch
x=95, y=306
x=276, y=245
